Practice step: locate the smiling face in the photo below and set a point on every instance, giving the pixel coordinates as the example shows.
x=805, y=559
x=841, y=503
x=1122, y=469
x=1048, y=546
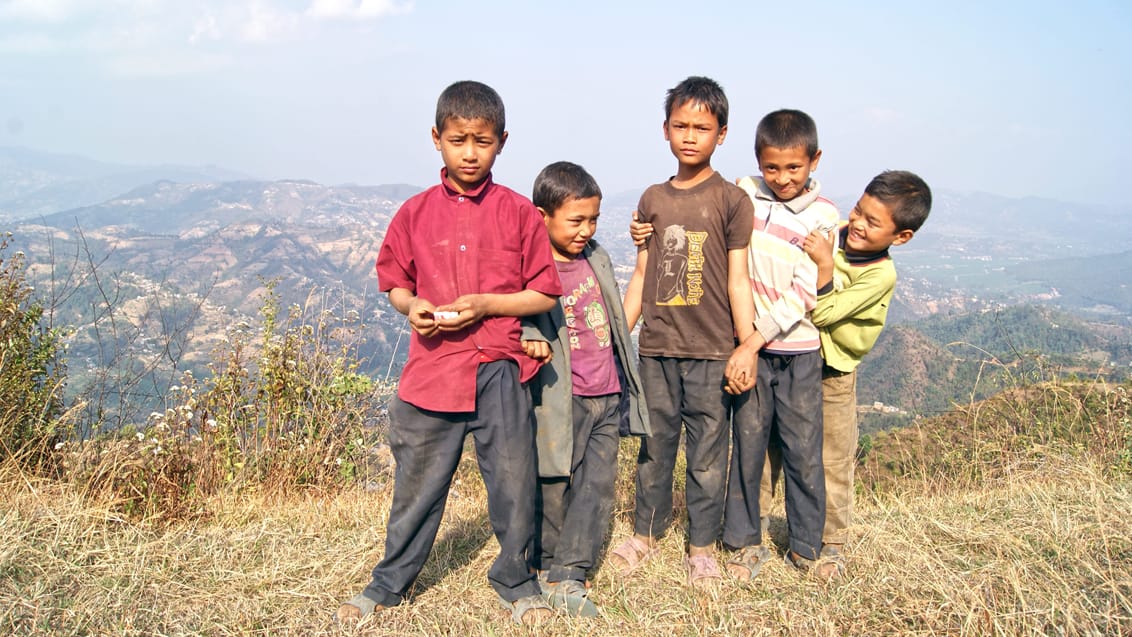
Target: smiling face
x=469, y=148
x=787, y=170
x=572, y=226
x=693, y=132
x=871, y=228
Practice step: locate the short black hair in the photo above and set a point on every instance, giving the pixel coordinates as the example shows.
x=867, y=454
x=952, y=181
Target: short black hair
x=787, y=128
x=907, y=197
x=471, y=100
x=701, y=90
x=560, y=182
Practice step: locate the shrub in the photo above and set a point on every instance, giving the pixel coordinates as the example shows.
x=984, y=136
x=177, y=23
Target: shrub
x=32, y=370
x=283, y=408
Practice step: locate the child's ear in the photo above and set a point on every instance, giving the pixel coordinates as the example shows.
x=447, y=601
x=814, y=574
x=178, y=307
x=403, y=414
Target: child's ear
x=544, y=213
x=502, y=141
x=902, y=237
x=436, y=138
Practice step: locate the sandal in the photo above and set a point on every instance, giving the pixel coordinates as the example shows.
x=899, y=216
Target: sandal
x=831, y=555
x=528, y=611
x=703, y=570
x=749, y=559
x=824, y=569
x=633, y=553
x=357, y=608
x=569, y=596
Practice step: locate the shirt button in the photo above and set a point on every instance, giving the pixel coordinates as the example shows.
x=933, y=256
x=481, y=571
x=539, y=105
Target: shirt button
x=463, y=247
x=460, y=199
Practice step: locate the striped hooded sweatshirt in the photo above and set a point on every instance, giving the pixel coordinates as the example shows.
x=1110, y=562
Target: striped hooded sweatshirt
x=783, y=277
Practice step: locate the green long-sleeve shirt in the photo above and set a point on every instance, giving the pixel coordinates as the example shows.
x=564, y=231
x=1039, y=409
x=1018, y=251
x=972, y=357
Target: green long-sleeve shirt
x=851, y=315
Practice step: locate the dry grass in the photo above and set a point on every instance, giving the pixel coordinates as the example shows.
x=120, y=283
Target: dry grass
x=1043, y=548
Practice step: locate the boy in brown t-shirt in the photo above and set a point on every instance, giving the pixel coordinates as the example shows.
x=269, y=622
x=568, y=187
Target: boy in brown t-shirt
x=692, y=289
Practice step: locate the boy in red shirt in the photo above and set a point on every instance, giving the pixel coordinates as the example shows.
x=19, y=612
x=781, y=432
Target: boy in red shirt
x=463, y=261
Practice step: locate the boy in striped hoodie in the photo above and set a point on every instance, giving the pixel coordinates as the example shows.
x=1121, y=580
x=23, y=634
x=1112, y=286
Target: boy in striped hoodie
x=788, y=391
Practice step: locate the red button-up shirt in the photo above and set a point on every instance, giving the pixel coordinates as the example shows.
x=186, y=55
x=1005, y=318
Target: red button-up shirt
x=443, y=244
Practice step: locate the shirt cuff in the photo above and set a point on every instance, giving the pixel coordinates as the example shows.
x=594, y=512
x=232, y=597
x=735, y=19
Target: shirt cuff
x=766, y=327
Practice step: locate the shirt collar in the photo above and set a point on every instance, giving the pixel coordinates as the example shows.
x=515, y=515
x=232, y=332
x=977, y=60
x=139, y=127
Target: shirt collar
x=860, y=259
x=471, y=194
x=795, y=205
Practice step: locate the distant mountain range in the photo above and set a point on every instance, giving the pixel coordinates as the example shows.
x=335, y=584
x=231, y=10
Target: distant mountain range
x=36, y=183
x=195, y=251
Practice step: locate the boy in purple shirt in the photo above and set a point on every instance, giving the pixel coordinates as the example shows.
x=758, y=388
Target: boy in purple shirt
x=585, y=395
x=463, y=260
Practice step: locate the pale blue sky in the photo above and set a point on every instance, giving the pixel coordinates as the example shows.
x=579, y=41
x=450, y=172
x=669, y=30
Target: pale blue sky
x=1013, y=98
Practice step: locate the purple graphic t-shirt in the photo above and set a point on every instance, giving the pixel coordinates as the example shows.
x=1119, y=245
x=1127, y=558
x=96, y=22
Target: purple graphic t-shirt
x=587, y=324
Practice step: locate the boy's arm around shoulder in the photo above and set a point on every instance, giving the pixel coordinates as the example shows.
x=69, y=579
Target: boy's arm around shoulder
x=635, y=290
x=871, y=287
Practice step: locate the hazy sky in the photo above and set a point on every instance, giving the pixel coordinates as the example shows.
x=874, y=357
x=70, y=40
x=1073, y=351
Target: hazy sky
x=1013, y=98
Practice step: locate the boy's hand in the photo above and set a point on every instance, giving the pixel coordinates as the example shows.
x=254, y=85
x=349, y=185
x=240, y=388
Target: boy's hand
x=819, y=246
x=743, y=366
x=538, y=350
x=639, y=231
x=421, y=318
x=741, y=371
x=470, y=309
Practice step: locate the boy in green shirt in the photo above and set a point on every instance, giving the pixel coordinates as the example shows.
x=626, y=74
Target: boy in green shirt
x=855, y=286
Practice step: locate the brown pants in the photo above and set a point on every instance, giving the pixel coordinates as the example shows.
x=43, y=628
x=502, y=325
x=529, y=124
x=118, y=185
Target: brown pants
x=839, y=455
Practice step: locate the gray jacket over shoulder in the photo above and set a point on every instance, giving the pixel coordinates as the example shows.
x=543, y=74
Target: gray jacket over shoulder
x=552, y=388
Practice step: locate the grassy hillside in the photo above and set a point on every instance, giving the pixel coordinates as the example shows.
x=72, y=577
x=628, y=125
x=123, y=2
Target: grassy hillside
x=1010, y=517
x=930, y=366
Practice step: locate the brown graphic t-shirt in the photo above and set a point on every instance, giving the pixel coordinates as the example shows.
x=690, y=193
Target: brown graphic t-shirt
x=684, y=304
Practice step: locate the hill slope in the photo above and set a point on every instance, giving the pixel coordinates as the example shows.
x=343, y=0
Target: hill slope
x=982, y=524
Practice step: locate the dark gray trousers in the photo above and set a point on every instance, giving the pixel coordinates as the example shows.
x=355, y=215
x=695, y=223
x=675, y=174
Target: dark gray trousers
x=683, y=395
x=576, y=510
x=787, y=396
x=427, y=446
